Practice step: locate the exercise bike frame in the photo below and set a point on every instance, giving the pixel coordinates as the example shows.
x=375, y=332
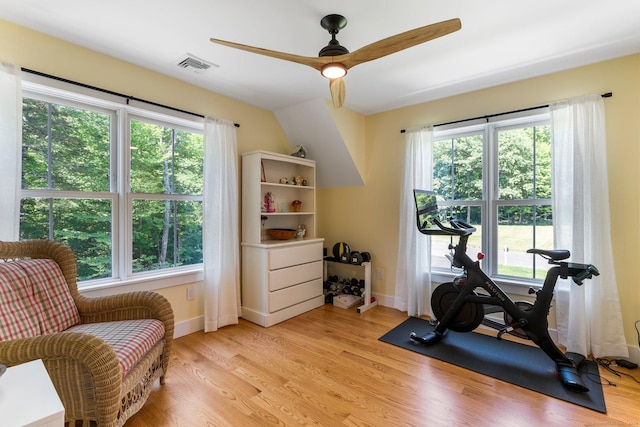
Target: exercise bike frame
x=533, y=321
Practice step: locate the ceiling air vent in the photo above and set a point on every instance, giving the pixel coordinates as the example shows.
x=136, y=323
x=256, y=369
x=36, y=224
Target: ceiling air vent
x=195, y=64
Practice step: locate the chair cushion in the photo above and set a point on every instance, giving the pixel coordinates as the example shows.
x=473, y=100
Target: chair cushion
x=58, y=310
x=130, y=339
x=19, y=310
x=35, y=299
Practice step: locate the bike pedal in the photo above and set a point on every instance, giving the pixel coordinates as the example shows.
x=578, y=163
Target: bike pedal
x=501, y=332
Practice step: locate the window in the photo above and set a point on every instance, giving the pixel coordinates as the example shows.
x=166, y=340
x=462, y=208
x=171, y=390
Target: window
x=121, y=186
x=166, y=196
x=497, y=177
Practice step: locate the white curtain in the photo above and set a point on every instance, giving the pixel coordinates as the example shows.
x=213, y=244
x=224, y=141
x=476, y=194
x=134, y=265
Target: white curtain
x=10, y=150
x=589, y=317
x=221, y=242
x=413, y=274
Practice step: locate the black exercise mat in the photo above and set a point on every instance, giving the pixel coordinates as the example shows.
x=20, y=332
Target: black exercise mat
x=523, y=365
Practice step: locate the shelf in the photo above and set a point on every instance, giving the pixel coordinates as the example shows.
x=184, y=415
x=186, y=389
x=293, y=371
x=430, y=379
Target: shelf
x=279, y=243
x=286, y=213
x=297, y=187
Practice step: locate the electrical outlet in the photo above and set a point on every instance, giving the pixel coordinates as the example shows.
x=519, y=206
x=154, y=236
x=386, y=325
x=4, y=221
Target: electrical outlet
x=191, y=293
x=379, y=274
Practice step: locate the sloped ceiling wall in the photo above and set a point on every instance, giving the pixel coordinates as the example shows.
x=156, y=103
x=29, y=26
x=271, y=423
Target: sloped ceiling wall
x=337, y=149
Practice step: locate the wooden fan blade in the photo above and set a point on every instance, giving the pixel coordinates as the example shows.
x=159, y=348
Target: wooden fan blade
x=400, y=42
x=313, y=62
x=338, y=90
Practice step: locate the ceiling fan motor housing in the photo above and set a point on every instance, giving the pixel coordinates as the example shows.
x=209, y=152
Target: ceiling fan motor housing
x=333, y=23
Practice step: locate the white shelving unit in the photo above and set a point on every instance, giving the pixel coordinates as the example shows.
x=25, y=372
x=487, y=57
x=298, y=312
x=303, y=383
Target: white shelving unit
x=280, y=278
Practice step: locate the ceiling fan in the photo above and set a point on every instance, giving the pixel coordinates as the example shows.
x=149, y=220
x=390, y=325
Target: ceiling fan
x=334, y=60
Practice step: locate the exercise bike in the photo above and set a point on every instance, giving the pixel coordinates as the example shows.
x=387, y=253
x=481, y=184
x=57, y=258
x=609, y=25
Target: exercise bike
x=461, y=305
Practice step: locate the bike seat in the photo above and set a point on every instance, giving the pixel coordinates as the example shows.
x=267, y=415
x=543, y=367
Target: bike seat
x=554, y=254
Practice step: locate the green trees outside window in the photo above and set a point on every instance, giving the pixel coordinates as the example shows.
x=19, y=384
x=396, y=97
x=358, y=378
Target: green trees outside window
x=139, y=195
x=497, y=177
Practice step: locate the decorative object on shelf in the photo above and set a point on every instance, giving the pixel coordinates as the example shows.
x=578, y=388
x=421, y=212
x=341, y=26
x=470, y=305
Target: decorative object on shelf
x=282, y=233
x=297, y=180
x=284, y=180
x=305, y=183
x=296, y=205
x=270, y=202
x=263, y=178
x=299, y=151
x=302, y=230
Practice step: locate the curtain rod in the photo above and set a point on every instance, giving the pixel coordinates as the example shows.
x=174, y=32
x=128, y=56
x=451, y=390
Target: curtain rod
x=488, y=116
x=121, y=95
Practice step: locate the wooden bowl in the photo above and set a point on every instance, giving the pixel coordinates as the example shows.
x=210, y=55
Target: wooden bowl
x=282, y=233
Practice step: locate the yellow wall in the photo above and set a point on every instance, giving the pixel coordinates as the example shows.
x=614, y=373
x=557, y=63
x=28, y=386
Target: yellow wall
x=367, y=216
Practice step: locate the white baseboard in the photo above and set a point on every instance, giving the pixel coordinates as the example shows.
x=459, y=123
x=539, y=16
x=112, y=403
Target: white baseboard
x=195, y=324
x=188, y=326
x=384, y=300
x=634, y=354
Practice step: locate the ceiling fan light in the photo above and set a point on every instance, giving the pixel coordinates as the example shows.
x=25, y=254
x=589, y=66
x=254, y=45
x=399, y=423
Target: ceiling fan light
x=335, y=70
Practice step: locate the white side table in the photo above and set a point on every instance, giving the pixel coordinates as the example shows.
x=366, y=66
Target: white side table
x=28, y=398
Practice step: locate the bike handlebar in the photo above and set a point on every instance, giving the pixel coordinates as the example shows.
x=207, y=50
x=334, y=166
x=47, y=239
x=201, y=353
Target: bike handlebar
x=587, y=273
x=458, y=227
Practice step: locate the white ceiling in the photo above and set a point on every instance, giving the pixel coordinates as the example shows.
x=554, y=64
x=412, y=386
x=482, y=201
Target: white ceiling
x=500, y=41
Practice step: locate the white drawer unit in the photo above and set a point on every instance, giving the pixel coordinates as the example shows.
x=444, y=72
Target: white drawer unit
x=293, y=275
x=287, y=256
x=281, y=280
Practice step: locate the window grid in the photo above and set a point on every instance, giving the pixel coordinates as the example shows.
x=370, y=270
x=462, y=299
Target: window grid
x=488, y=202
x=118, y=198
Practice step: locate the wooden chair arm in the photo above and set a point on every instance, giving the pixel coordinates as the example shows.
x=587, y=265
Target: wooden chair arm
x=66, y=355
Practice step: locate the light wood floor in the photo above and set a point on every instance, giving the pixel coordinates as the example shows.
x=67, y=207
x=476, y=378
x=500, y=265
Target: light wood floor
x=327, y=368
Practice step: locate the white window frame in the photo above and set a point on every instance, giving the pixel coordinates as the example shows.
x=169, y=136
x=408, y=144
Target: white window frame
x=490, y=203
x=121, y=111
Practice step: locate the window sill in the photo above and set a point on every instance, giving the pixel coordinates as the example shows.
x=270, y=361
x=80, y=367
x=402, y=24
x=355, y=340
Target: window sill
x=147, y=282
x=511, y=286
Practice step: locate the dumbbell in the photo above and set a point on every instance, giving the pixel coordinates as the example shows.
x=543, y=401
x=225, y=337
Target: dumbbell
x=358, y=258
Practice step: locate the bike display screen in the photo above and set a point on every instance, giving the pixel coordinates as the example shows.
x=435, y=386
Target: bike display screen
x=427, y=210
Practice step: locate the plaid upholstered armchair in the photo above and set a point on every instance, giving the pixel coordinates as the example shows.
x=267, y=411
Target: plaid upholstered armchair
x=102, y=354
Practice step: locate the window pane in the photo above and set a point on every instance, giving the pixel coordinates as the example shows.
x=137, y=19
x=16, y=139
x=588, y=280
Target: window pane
x=521, y=228
x=543, y=162
x=524, y=161
x=64, y=148
x=165, y=160
x=166, y=233
x=440, y=244
x=189, y=161
x=83, y=224
x=457, y=167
